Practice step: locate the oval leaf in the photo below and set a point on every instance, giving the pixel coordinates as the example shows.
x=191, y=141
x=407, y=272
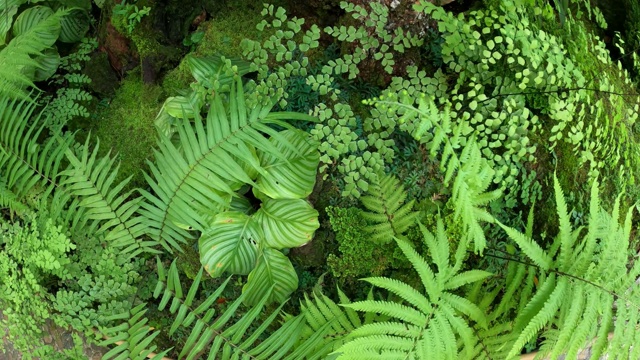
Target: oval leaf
x=207, y=69
x=230, y=244
x=183, y=107
x=74, y=26
x=32, y=17
x=273, y=270
x=6, y=19
x=48, y=63
x=295, y=178
x=287, y=223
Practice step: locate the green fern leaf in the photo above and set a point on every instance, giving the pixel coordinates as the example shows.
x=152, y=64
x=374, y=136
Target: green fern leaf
x=215, y=157
x=388, y=215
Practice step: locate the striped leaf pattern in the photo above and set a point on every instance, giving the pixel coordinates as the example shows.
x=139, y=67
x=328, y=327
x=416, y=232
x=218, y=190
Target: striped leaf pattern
x=74, y=26
x=230, y=244
x=8, y=9
x=212, y=157
x=48, y=64
x=273, y=271
x=287, y=223
x=294, y=176
x=208, y=70
x=30, y=18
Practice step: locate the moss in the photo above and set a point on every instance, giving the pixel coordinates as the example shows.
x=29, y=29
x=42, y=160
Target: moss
x=358, y=255
x=189, y=261
x=103, y=79
x=231, y=23
x=126, y=127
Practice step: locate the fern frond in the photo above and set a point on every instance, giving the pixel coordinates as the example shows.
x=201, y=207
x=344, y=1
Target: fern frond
x=584, y=284
x=111, y=212
x=214, y=158
x=426, y=325
x=8, y=200
x=388, y=215
x=26, y=163
x=310, y=335
x=132, y=337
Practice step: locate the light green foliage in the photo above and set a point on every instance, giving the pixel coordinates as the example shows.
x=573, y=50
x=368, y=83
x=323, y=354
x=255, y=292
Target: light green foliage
x=72, y=269
x=429, y=324
x=137, y=337
x=372, y=38
x=66, y=25
x=231, y=23
x=279, y=48
x=313, y=334
x=125, y=127
x=32, y=253
x=494, y=75
x=281, y=170
x=20, y=52
x=461, y=161
x=586, y=273
x=358, y=155
x=388, y=215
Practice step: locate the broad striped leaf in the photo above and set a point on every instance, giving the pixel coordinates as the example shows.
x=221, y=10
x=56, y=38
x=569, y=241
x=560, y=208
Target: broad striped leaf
x=74, y=26
x=294, y=177
x=230, y=244
x=48, y=64
x=212, y=157
x=287, y=223
x=208, y=69
x=33, y=16
x=273, y=270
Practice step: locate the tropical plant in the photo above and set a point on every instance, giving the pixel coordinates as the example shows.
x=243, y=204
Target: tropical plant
x=68, y=26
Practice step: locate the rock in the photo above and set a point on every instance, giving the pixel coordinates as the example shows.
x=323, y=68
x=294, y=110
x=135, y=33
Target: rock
x=104, y=80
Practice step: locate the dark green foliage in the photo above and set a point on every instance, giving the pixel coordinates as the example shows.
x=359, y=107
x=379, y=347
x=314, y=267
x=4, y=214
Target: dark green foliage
x=358, y=256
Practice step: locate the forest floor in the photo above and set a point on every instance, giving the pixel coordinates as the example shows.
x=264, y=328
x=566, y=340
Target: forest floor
x=55, y=336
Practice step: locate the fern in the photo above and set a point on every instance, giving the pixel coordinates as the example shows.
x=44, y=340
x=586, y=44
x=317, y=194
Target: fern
x=460, y=159
x=8, y=200
x=132, y=337
x=215, y=158
x=429, y=324
x=26, y=163
x=388, y=215
x=585, y=286
x=112, y=214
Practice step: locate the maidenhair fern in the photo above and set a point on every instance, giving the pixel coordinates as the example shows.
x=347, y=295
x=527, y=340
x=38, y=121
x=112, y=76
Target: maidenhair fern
x=388, y=214
x=460, y=158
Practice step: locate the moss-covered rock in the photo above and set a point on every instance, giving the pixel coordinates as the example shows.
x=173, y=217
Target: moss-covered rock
x=126, y=127
x=103, y=79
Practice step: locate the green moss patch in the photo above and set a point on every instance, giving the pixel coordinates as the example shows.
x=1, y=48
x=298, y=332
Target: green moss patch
x=126, y=127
